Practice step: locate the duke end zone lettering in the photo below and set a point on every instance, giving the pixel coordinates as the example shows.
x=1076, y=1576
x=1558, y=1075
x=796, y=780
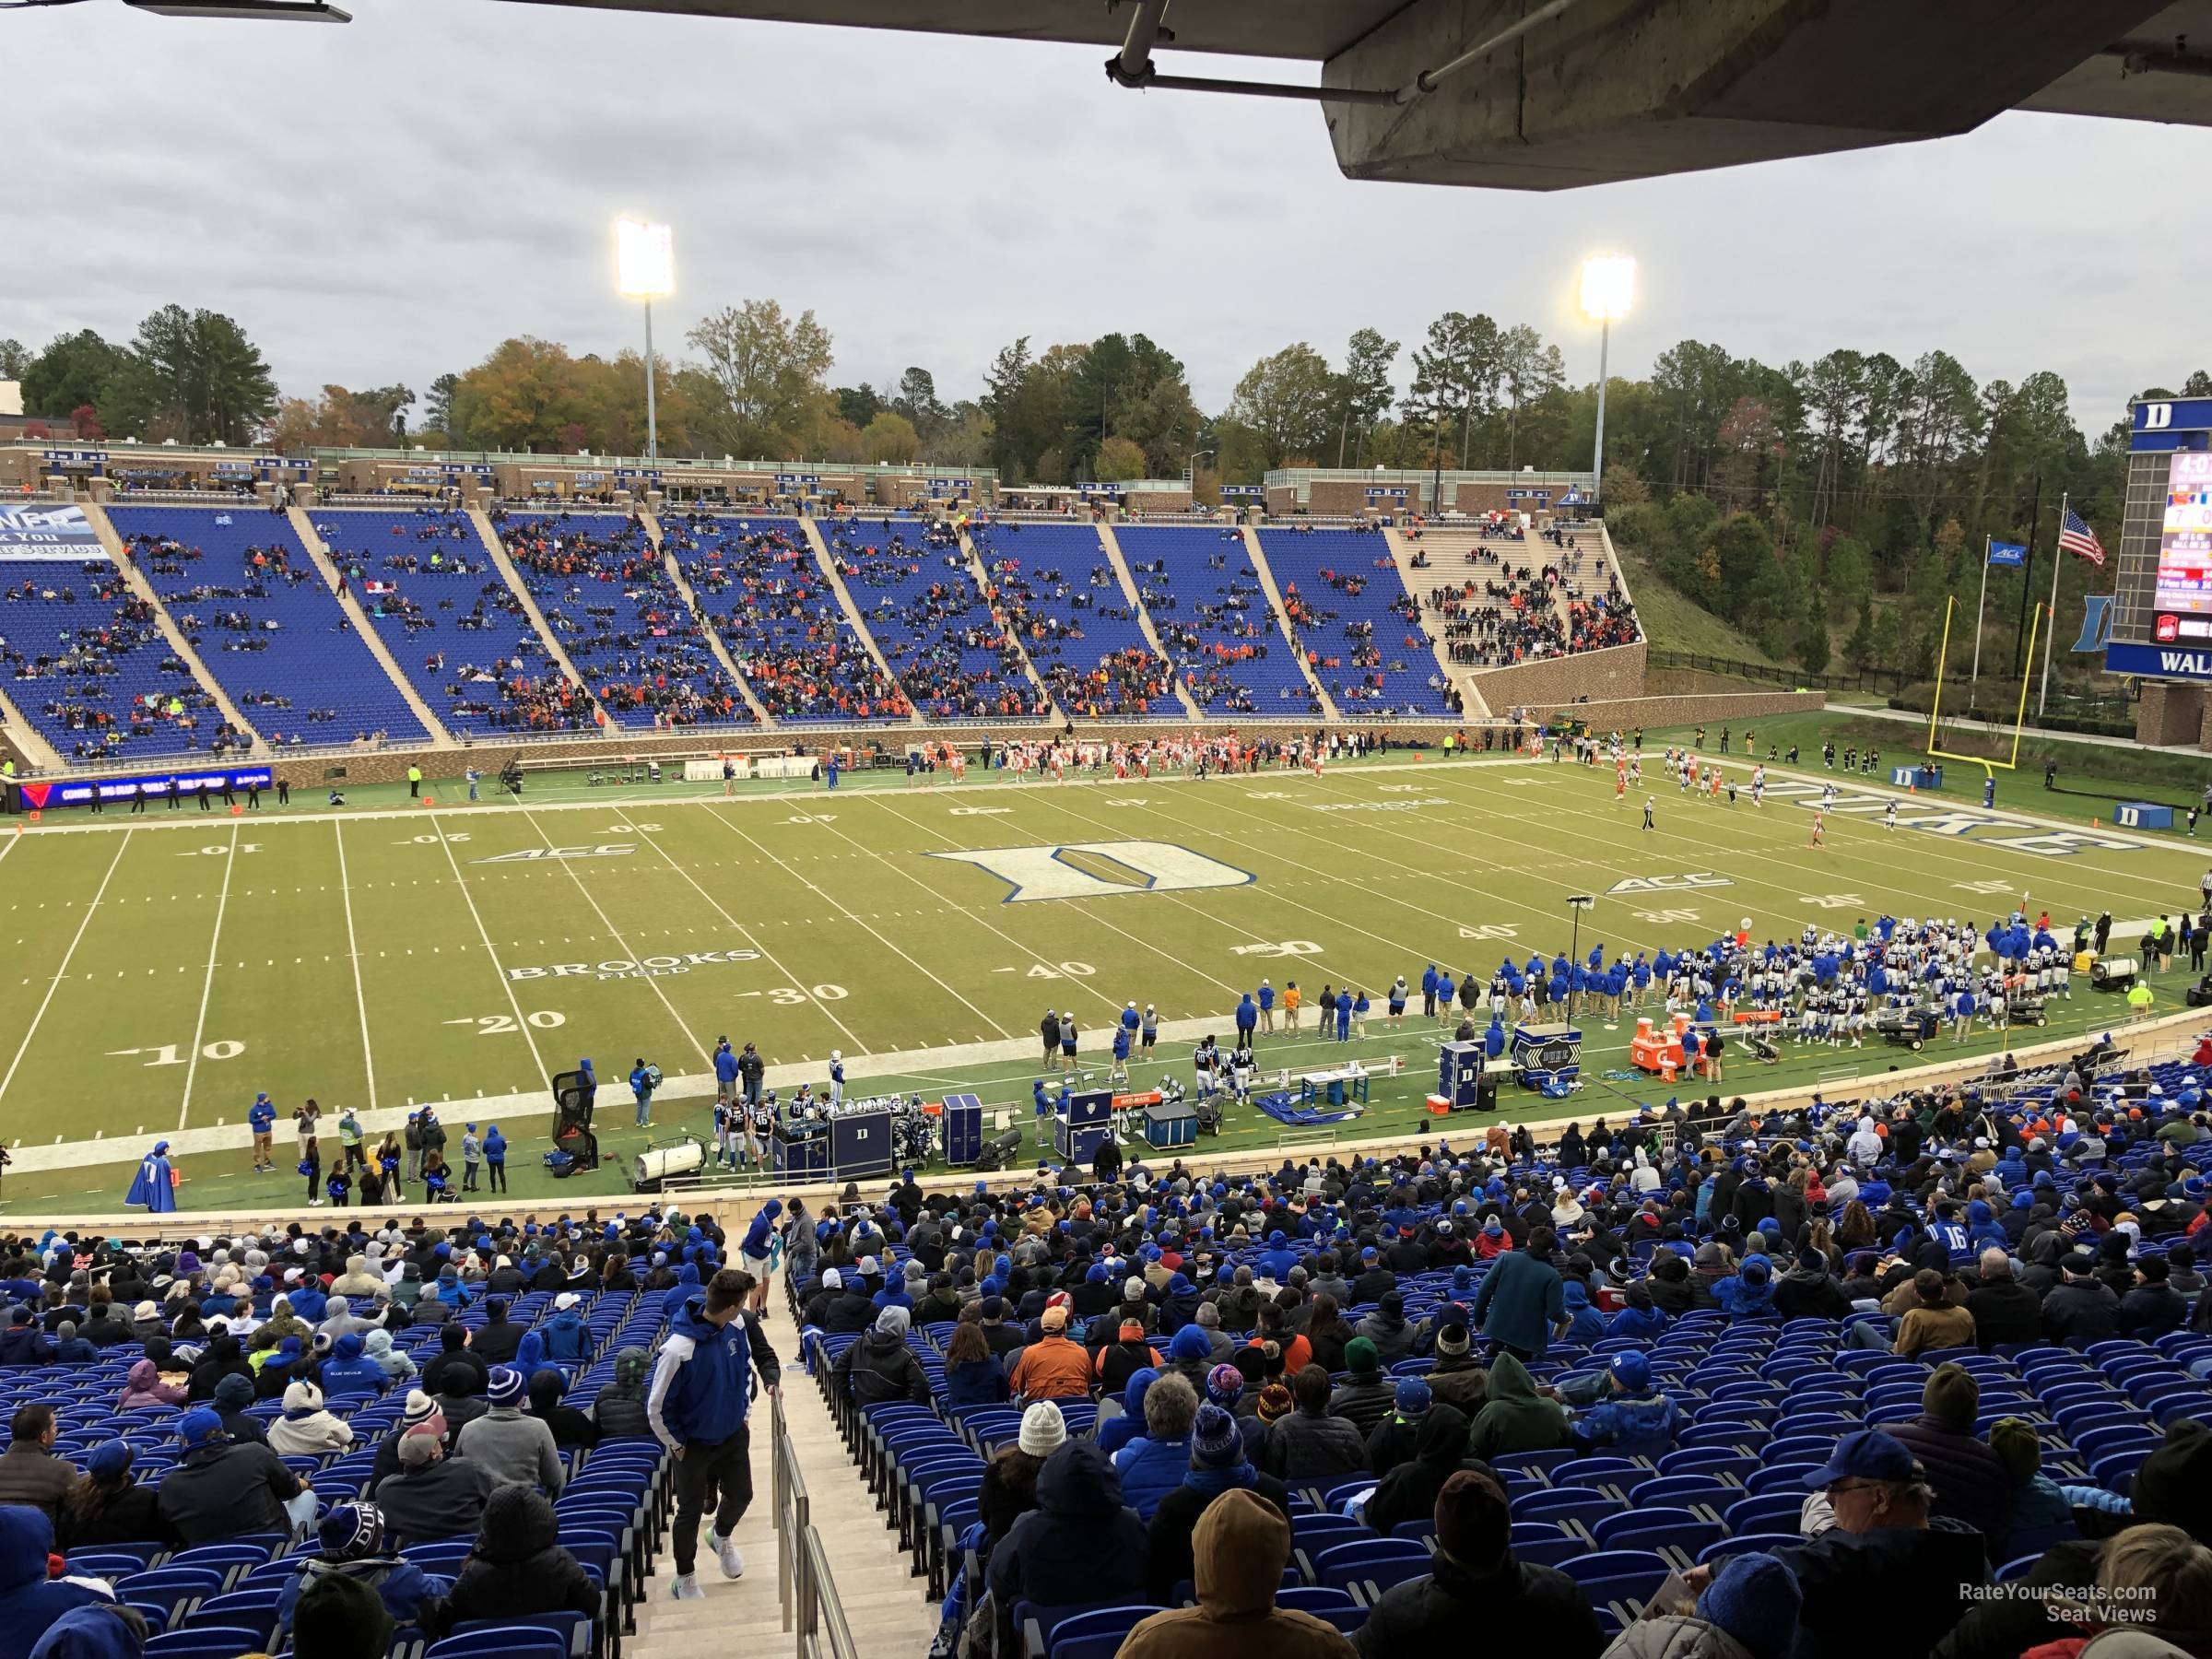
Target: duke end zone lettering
x=1099, y=869
x=650, y=967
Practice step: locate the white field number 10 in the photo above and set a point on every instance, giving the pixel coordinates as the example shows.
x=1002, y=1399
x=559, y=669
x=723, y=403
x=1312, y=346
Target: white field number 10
x=170, y=1053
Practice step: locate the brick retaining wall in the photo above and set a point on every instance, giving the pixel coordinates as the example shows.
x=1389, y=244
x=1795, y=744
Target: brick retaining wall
x=1554, y=682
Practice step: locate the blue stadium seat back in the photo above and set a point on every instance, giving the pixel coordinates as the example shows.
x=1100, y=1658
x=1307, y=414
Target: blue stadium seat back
x=518, y=1642
x=1698, y=1492
x=179, y=1590
x=1419, y=1531
x=1612, y=1564
x=1312, y=1598
x=110, y=1562
x=1538, y=1464
x=1737, y=1437
x=205, y=1642
x=571, y=1629
x=2019, y=1567
x=1783, y=1477
x=1767, y=1511
x=1568, y=1508
x=1716, y=1462
x=2196, y=1406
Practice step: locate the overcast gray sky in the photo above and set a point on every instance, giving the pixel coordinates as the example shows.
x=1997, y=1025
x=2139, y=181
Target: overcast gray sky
x=389, y=200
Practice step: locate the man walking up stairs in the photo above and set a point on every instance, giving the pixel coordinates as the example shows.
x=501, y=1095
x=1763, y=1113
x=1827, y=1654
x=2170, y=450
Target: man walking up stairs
x=885, y=1608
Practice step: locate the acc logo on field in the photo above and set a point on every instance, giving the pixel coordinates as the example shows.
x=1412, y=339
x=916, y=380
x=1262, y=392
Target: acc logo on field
x=1670, y=883
x=1099, y=869
x=528, y=854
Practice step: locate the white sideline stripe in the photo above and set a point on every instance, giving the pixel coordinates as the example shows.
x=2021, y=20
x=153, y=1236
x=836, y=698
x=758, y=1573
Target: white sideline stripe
x=62, y=972
x=353, y=952
x=215, y=945
x=1500, y=759
x=953, y=1057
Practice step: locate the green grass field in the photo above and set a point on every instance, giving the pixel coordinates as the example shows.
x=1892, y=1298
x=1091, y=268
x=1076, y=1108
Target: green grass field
x=162, y=970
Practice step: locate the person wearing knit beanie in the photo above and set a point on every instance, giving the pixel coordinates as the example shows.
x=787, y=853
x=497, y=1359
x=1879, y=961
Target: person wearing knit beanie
x=1275, y=1402
x=1225, y=1386
x=1754, y=1599
x=1043, y=1430
x=1473, y=1522
x=1215, y=1441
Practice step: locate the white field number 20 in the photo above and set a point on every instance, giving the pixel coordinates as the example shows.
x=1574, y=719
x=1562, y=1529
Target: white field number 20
x=502, y=1025
x=170, y=1053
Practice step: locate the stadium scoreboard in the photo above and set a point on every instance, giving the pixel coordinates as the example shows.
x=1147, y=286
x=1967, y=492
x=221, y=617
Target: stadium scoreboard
x=2161, y=618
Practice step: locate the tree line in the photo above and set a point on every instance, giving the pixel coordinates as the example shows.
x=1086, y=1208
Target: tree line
x=1825, y=508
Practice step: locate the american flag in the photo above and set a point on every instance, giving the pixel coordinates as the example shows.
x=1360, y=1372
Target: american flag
x=2074, y=536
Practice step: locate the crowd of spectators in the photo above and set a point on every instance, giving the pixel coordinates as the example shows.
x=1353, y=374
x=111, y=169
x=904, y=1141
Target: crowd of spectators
x=1229, y=645
x=1837, y=1358
x=71, y=642
x=1053, y=617
x=759, y=588
x=909, y=580
x=608, y=596
x=363, y=1392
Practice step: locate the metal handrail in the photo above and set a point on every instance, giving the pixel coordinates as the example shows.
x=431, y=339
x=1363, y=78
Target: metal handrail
x=792, y=1511
x=825, y=1614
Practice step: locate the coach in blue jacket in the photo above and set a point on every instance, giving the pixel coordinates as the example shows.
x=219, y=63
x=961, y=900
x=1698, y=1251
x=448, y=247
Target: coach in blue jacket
x=697, y=1406
x=1248, y=1017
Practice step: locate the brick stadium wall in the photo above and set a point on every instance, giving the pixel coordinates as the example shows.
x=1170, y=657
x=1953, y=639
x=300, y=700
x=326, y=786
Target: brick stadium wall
x=1557, y=681
x=2172, y=715
x=1696, y=682
x=1156, y=501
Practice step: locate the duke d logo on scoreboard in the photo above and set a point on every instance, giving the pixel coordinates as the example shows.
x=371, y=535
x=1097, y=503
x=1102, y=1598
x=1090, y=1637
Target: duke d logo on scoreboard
x=1099, y=869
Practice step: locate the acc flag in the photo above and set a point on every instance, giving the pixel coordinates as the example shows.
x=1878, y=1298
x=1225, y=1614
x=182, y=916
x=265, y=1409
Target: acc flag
x=2008, y=553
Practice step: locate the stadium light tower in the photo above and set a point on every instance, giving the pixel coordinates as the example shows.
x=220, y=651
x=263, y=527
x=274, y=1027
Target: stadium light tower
x=645, y=269
x=1609, y=285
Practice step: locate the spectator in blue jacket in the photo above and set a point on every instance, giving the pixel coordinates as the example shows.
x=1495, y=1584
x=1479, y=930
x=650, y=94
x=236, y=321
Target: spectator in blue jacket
x=698, y=1405
x=1635, y=1418
x=1267, y=1002
x=1248, y=1020
x=1586, y=1324
x=495, y=1158
x=350, y=1372
x=1748, y=1292
x=1153, y=1465
x=29, y=1601
x=566, y=1341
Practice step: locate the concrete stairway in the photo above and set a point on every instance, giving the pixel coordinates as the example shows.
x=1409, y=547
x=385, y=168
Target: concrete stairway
x=706, y=623
x=316, y=550
x=1127, y=578
x=1417, y=584
x=982, y=581
x=135, y=579
x=489, y=537
x=852, y=616
x=1282, y=620
x=885, y=1608
x=19, y=734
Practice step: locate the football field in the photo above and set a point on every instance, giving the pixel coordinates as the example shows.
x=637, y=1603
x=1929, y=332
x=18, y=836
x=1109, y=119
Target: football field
x=163, y=969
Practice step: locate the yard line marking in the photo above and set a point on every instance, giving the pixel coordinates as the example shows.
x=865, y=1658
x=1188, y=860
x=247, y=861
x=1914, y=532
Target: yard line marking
x=63, y=972
x=506, y=984
x=752, y=938
x=888, y=943
x=199, y=1026
x=623, y=945
x=354, y=952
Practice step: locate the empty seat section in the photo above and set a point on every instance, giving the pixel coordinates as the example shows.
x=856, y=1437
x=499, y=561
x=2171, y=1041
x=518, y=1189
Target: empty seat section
x=1199, y=586
x=611, y=604
x=248, y=599
x=1057, y=590
x=1361, y=628
x=763, y=593
x=458, y=632
x=912, y=585
x=87, y=664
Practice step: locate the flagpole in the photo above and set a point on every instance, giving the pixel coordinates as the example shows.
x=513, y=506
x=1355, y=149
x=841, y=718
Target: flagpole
x=1980, y=607
x=2043, y=696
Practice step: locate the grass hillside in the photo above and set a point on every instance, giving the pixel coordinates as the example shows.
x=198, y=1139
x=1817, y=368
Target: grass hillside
x=1671, y=622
